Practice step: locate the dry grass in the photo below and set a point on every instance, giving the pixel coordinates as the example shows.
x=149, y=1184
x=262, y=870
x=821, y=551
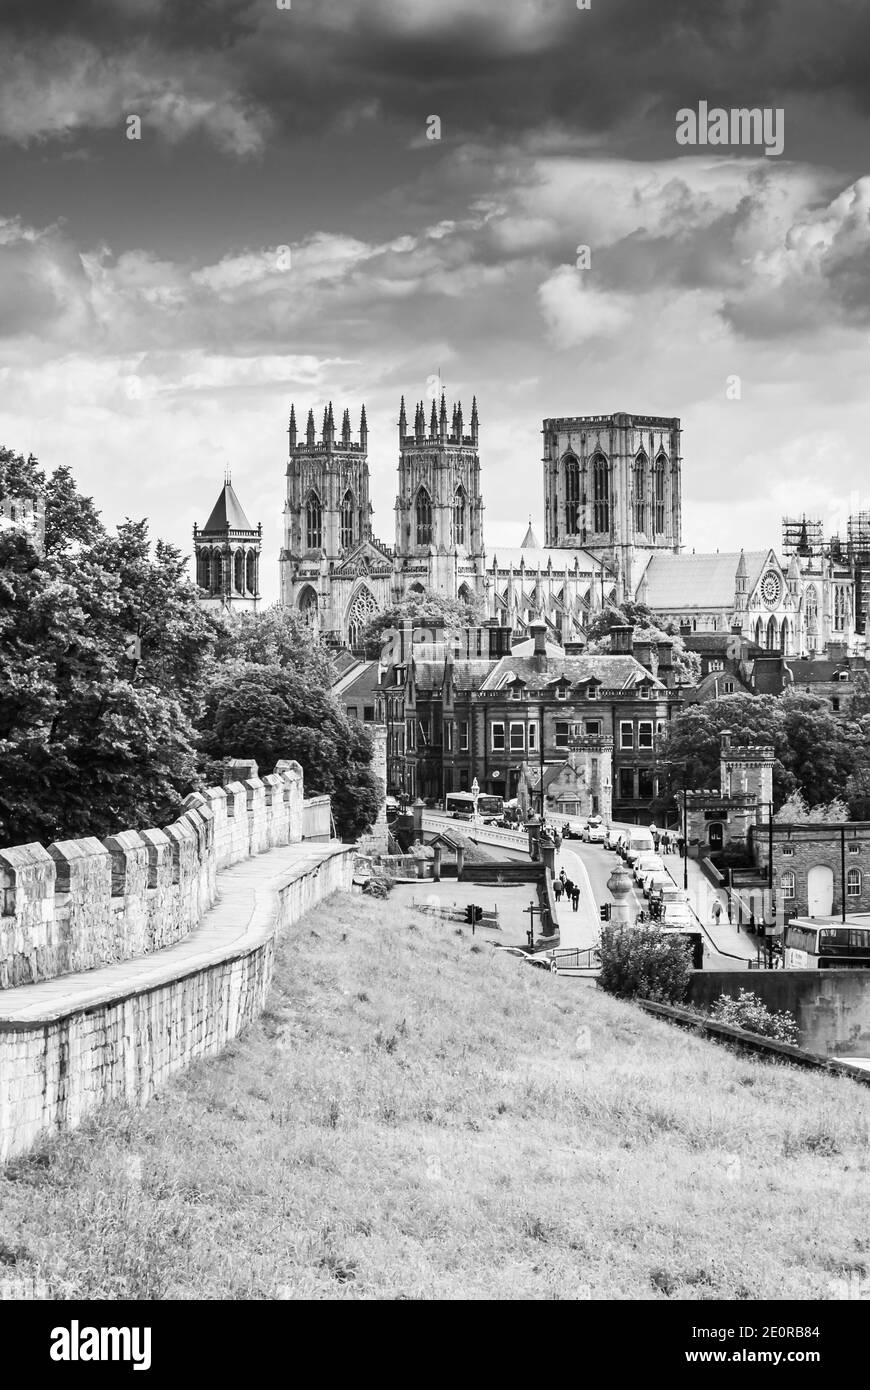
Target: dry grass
x=417, y=1118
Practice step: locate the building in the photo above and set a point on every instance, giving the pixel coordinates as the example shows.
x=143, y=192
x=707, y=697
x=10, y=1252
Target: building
x=579, y=787
x=24, y=514
x=489, y=715
x=227, y=552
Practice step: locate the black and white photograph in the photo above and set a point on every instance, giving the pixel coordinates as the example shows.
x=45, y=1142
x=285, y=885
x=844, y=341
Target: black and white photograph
x=435, y=667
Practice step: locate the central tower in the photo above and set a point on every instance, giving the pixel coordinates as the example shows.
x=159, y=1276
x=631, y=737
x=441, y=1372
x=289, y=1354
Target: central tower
x=612, y=487
x=439, y=507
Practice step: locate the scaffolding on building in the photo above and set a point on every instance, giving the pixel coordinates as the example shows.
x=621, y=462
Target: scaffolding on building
x=802, y=535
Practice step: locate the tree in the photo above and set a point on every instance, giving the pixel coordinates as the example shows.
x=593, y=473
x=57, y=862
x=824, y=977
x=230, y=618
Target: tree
x=686, y=664
x=272, y=711
x=750, y=1013
x=276, y=637
x=795, y=811
x=821, y=757
x=694, y=737
x=101, y=651
x=426, y=610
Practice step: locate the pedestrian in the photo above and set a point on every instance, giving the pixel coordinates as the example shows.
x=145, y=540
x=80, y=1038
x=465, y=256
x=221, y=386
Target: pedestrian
x=717, y=912
x=664, y=842
x=575, y=897
x=681, y=846
x=569, y=887
x=562, y=875
x=657, y=839
x=557, y=888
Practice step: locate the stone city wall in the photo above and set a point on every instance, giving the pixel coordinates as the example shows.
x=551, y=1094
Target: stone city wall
x=84, y=903
x=57, y=1069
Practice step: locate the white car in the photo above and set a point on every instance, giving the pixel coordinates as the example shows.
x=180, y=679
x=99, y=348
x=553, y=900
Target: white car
x=595, y=834
x=677, y=917
x=653, y=880
x=647, y=864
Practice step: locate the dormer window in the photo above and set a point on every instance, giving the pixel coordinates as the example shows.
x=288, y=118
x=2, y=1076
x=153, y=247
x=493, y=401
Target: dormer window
x=644, y=692
x=592, y=692
x=561, y=693
x=517, y=692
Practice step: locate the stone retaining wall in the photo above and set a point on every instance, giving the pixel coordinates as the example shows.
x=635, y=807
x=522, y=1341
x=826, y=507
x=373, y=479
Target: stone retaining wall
x=84, y=903
x=56, y=1071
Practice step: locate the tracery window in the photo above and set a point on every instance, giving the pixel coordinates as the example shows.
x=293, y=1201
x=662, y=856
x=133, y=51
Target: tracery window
x=601, y=494
x=346, y=528
x=459, y=516
x=659, y=492
x=424, y=517
x=640, y=492
x=572, y=495
x=313, y=522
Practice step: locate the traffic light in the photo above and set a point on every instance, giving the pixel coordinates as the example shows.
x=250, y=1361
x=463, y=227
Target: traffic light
x=604, y=911
x=478, y=914
x=473, y=914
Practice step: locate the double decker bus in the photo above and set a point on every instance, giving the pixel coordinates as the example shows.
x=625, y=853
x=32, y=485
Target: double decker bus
x=826, y=945
x=462, y=803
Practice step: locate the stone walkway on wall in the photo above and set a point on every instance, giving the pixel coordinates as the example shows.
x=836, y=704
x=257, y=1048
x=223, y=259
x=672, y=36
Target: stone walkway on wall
x=243, y=914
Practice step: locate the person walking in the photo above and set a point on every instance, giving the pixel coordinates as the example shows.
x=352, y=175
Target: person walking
x=717, y=912
x=664, y=841
x=657, y=839
x=557, y=888
x=562, y=875
x=575, y=897
x=569, y=887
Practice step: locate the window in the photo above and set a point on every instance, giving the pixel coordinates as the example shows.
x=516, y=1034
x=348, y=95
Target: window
x=369, y=713
x=839, y=608
x=626, y=783
x=411, y=735
x=853, y=883
x=645, y=788
x=448, y=735
x=640, y=492
x=313, y=522
x=518, y=738
x=463, y=736
x=601, y=494
x=842, y=675
x=787, y=883
x=593, y=726
x=593, y=766
x=572, y=495
x=561, y=692
x=498, y=738
x=644, y=692
x=788, y=851
x=626, y=734
x=592, y=692
x=346, y=532
x=239, y=572
x=533, y=736
x=517, y=692
x=251, y=573
x=459, y=516
x=835, y=703
x=853, y=849
x=645, y=734
x=717, y=666
x=351, y=712
x=424, y=517
x=659, y=492
x=562, y=735
x=727, y=687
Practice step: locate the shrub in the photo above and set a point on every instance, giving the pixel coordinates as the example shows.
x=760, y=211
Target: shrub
x=379, y=887
x=644, y=963
x=747, y=1011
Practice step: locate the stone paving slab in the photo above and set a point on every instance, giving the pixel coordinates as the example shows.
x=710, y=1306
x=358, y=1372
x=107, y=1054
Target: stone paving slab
x=242, y=915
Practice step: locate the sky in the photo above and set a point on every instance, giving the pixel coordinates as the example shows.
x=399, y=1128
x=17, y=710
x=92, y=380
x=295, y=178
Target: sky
x=285, y=229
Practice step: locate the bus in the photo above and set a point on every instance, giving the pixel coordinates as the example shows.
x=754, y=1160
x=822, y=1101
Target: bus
x=462, y=804
x=812, y=945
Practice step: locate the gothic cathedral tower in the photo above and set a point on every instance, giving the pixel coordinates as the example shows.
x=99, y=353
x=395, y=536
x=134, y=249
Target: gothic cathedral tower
x=612, y=488
x=439, y=507
x=332, y=572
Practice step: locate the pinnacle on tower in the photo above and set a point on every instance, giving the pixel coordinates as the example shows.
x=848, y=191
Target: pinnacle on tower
x=433, y=421
x=419, y=422
x=458, y=426
x=475, y=423
x=291, y=429
x=363, y=430
x=403, y=422
x=442, y=419
x=345, y=428
x=309, y=430
x=324, y=434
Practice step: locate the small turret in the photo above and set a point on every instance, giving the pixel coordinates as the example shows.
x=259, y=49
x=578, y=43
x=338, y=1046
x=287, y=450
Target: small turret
x=475, y=423
x=442, y=419
x=309, y=430
x=433, y=422
x=324, y=432
x=458, y=426
x=345, y=428
x=329, y=432
x=419, y=423
x=740, y=582
x=291, y=429
x=363, y=431
x=403, y=421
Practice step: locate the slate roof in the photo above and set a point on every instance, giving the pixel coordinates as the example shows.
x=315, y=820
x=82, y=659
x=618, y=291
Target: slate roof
x=467, y=674
x=228, y=513
x=361, y=679
x=614, y=672
x=717, y=643
x=698, y=581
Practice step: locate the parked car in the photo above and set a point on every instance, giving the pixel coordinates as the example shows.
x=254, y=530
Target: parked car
x=677, y=916
x=645, y=864
x=572, y=830
x=656, y=878
x=595, y=834
x=670, y=893
x=612, y=837
x=639, y=842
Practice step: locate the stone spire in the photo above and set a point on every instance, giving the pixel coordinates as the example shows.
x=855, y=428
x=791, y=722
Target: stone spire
x=291, y=430
x=403, y=421
x=363, y=431
x=442, y=419
x=309, y=430
x=433, y=421
x=475, y=424
x=345, y=428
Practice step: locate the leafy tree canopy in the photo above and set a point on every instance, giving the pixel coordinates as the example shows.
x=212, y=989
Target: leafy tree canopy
x=424, y=610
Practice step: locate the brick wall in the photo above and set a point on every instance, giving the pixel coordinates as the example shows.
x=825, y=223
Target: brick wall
x=83, y=903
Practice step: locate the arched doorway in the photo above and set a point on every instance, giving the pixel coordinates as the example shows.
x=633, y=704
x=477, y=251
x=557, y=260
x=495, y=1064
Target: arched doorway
x=820, y=891
x=716, y=834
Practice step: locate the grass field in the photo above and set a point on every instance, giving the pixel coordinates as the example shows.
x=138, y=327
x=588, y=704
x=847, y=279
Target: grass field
x=419, y=1116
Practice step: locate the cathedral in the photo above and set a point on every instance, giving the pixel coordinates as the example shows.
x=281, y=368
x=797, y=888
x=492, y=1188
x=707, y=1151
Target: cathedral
x=613, y=533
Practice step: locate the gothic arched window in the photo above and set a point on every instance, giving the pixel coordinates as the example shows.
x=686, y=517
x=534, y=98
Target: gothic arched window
x=239, y=572
x=217, y=578
x=363, y=608
x=459, y=516
x=313, y=523
x=572, y=495
x=759, y=633
x=251, y=572
x=772, y=634
x=203, y=569
x=640, y=492
x=784, y=635
x=600, y=494
x=659, y=492
x=424, y=517
x=346, y=532
x=839, y=609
